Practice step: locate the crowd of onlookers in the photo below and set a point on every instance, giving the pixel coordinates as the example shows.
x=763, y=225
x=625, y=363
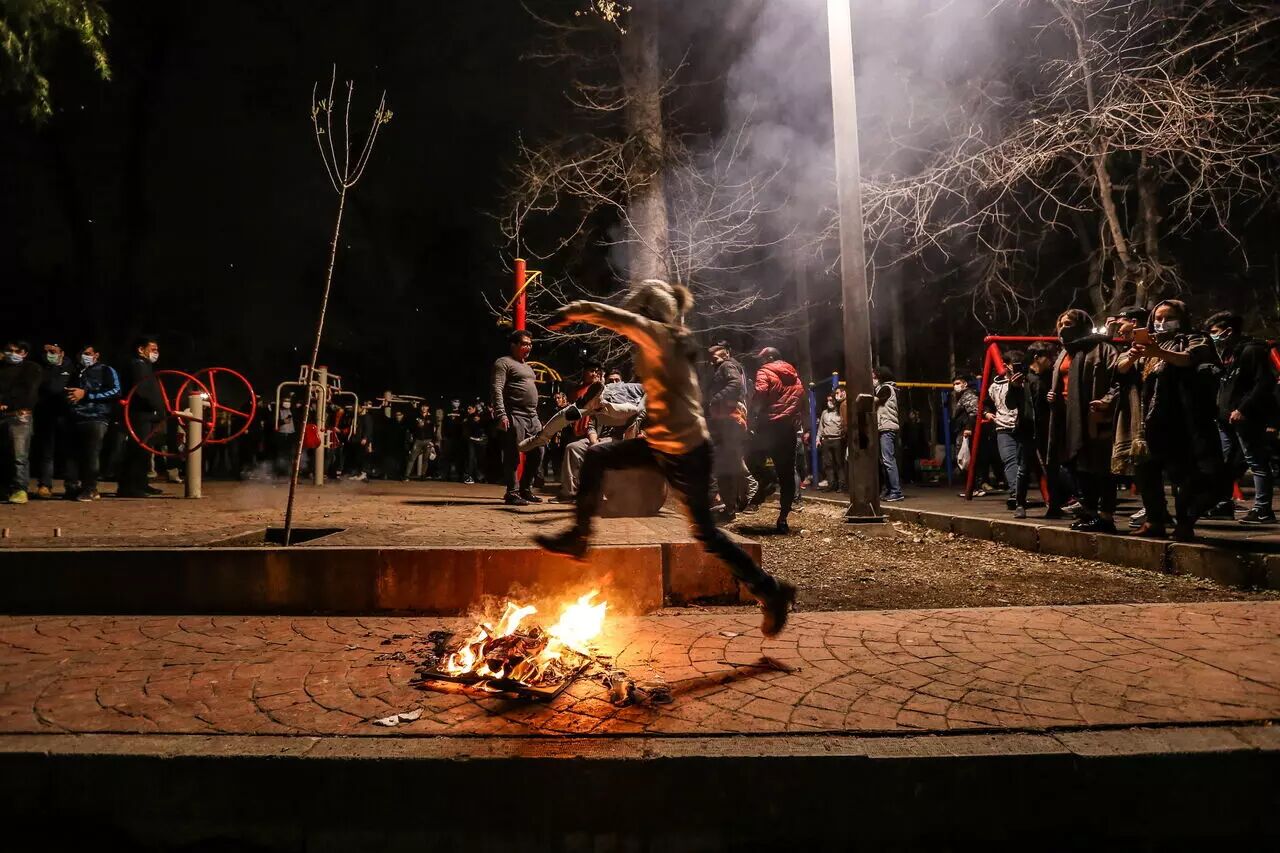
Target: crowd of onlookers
x=1150, y=399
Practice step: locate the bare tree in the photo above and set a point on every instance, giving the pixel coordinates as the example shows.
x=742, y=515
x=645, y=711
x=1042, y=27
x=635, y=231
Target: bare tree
x=1139, y=120
x=343, y=173
x=667, y=203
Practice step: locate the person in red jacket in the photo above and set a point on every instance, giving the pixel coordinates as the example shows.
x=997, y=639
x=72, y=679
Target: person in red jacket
x=778, y=398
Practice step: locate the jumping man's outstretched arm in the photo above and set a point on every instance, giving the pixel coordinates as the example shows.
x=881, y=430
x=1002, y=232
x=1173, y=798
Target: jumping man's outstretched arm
x=639, y=330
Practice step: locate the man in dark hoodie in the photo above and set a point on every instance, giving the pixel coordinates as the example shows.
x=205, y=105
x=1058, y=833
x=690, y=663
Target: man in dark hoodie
x=1245, y=408
x=19, y=390
x=52, y=436
x=146, y=414
x=778, y=396
x=92, y=396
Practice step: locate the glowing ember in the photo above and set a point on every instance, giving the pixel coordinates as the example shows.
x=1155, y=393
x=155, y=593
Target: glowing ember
x=529, y=655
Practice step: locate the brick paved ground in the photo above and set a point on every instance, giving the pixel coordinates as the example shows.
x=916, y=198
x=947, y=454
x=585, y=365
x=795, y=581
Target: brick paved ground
x=372, y=513
x=1031, y=668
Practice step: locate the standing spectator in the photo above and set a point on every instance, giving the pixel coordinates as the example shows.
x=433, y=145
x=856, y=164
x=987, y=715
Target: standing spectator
x=92, y=395
x=19, y=391
x=964, y=417
x=475, y=430
x=421, y=434
x=1082, y=431
x=1033, y=434
x=553, y=457
x=146, y=414
x=452, y=453
x=515, y=407
x=1179, y=407
x=831, y=444
x=362, y=437
x=1130, y=447
x=1006, y=393
x=52, y=419
x=1245, y=408
x=286, y=435
x=778, y=395
x=727, y=422
x=888, y=424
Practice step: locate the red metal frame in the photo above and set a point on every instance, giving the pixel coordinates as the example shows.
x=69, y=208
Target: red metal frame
x=994, y=359
x=211, y=423
x=518, y=319
x=171, y=407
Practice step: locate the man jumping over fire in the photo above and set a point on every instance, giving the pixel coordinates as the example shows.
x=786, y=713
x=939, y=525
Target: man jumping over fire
x=675, y=441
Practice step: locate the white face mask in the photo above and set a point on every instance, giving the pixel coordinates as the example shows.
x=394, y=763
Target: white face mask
x=1166, y=326
x=959, y=389
x=88, y=360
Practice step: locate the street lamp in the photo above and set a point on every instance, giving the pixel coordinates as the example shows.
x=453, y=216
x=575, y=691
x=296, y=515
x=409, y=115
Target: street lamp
x=864, y=438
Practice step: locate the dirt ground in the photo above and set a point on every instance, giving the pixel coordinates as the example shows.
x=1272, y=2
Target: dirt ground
x=838, y=566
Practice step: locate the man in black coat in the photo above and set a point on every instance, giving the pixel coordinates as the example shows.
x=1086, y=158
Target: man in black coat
x=1246, y=403
x=146, y=414
x=19, y=390
x=52, y=419
x=726, y=421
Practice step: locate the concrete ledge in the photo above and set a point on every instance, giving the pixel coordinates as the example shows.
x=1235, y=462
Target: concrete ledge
x=974, y=528
x=810, y=792
x=1068, y=543
x=1151, y=554
x=1016, y=534
x=1228, y=566
x=339, y=580
x=937, y=521
x=691, y=575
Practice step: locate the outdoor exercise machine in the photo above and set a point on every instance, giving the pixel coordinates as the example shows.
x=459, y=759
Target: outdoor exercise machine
x=192, y=404
x=324, y=388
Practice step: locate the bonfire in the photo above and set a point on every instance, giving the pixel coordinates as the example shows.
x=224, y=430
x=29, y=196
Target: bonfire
x=518, y=655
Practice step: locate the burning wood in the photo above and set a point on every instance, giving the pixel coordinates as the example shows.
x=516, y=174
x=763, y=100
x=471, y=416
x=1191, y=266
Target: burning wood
x=529, y=659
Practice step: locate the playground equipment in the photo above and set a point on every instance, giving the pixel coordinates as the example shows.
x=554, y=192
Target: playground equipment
x=324, y=387
x=206, y=393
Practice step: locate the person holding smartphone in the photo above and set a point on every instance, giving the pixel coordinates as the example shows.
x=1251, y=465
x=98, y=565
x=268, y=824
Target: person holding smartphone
x=1006, y=393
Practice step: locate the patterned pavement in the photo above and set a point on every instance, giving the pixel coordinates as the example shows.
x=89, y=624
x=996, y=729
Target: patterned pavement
x=899, y=671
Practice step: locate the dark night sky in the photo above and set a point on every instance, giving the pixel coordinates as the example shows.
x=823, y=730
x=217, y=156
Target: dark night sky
x=186, y=197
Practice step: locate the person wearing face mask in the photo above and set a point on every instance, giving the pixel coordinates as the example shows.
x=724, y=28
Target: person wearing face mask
x=1124, y=401
x=727, y=423
x=1081, y=426
x=52, y=419
x=831, y=444
x=92, y=396
x=19, y=391
x=1178, y=387
x=1246, y=405
x=1033, y=434
x=145, y=414
x=1007, y=392
x=964, y=416
x=888, y=426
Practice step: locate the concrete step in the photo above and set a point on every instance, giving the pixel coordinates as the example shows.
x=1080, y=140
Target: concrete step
x=1180, y=787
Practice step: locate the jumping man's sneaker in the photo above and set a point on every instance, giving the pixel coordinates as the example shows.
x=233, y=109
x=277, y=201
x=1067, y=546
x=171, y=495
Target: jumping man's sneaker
x=18, y=497
x=568, y=544
x=776, y=606
x=1259, y=516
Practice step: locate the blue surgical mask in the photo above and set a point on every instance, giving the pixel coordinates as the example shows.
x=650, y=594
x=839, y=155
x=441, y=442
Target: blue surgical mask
x=14, y=357
x=88, y=360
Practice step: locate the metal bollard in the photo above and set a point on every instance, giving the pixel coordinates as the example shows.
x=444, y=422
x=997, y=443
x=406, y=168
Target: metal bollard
x=195, y=436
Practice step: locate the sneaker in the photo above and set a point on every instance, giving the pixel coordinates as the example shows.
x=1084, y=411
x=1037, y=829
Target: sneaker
x=1073, y=508
x=175, y=476
x=467, y=481
x=43, y=493
x=514, y=499
x=782, y=526
x=152, y=490
x=777, y=606
x=1259, y=516
x=568, y=544
x=530, y=497
x=361, y=476
x=1020, y=512
x=1095, y=525
x=823, y=484
x=565, y=499
x=1223, y=510
x=1150, y=531
x=18, y=497
x=893, y=499
x=87, y=497
x=1054, y=512
x=1011, y=504
x=1138, y=519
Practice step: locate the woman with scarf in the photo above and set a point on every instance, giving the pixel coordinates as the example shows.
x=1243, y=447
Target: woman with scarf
x=1178, y=388
x=1081, y=430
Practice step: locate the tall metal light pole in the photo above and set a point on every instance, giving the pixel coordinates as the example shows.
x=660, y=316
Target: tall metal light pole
x=864, y=439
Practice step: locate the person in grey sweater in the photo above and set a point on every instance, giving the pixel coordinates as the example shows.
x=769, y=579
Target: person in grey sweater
x=675, y=440
x=514, y=393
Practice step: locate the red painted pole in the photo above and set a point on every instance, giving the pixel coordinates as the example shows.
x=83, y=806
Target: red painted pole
x=519, y=318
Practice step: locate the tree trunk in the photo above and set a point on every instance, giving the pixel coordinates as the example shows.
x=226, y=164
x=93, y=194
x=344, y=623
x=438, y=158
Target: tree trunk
x=647, y=202
x=1149, y=222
